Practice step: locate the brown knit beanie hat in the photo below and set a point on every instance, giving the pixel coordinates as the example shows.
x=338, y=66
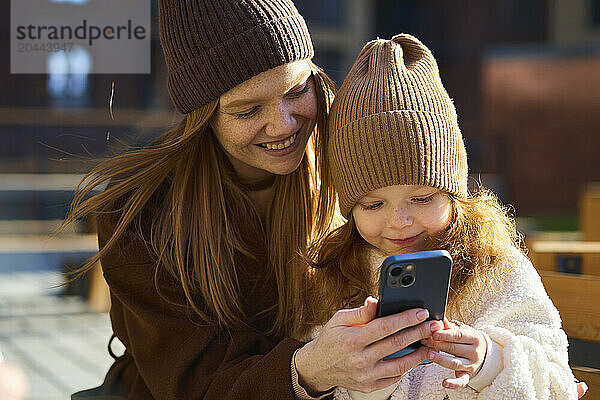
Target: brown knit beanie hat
x=393, y=123
x=211, y=46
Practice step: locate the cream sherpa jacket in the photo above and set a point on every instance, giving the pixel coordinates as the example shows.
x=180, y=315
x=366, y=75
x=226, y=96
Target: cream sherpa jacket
x=525, y=327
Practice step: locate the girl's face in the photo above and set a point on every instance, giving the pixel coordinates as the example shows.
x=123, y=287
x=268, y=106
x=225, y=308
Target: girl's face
x=264, y=123
x=397, y=219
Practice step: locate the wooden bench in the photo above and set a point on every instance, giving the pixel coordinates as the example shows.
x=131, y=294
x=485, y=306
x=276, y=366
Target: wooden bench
x=569, y=265
x=576, y=297
x=591, y=377
x=33, y=205
x=99, y=294
x=589, y=211
x=96, y=288
x=572, y=256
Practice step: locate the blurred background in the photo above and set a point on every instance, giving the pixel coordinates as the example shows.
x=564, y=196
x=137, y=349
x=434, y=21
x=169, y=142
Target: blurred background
x=525, y=79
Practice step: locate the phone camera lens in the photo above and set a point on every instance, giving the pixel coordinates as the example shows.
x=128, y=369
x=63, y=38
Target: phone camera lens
x=396, y=271
x=408, y=280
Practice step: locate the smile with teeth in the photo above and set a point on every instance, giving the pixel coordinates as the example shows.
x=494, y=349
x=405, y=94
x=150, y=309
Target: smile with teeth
x=281, y=145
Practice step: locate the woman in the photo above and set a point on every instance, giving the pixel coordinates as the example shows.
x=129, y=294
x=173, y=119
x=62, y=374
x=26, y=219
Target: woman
x=200, y=231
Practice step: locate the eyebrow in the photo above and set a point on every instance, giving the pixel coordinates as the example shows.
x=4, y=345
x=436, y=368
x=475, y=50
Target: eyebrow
x=252, y=100
x=369, y=199
x=241, y=102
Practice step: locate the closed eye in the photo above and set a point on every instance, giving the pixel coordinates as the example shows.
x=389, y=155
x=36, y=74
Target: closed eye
x=423, y=200
x=371, y=206
x=247, y=114
x=291, y=95
x=300, y=92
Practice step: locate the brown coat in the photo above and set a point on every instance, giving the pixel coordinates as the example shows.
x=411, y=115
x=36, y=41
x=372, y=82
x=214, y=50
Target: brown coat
x=170, y=354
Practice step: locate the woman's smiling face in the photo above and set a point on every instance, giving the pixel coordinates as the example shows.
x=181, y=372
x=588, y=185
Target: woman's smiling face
x=264, y=123
x=397, y=219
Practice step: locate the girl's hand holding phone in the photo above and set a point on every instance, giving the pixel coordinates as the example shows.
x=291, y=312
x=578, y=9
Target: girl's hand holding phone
x=465, y=349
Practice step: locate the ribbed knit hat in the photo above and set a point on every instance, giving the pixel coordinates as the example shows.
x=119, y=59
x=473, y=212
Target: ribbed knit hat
x=211, y=46
x=393, y=123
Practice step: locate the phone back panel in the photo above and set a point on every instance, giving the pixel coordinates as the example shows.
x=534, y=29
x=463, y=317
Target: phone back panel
x=420, y=280
x=431, y=271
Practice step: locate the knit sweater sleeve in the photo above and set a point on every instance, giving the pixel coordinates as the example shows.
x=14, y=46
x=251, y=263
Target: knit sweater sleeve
x=169, y=353
x=521, y=319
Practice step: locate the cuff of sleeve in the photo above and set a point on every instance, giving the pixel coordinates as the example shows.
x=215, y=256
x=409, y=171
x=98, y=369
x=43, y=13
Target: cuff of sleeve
x=492, y=366
x=381, y=394
x=299, y=391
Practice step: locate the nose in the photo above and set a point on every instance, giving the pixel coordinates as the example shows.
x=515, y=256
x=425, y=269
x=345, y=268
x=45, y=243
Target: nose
x=282, y=121
x=399, y=217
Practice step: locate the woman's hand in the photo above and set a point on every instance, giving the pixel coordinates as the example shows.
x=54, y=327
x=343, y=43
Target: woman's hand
x=465, y=347
x=349, y=350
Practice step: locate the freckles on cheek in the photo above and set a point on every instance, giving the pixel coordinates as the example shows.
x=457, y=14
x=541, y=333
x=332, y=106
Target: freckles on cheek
x=438, y=221
x=311, y=108
x=235, y=134
x=368, y=230
x=446, y=217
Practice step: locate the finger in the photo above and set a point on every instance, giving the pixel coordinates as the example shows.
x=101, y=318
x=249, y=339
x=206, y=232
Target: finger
x=400, y=340
x=448, y=324
x=456, y=349
x=449, y=361
x=461, y=380
x=356, y=316
x=581, y=389
x=462, y=335
x=397, y=367
x=383, y=327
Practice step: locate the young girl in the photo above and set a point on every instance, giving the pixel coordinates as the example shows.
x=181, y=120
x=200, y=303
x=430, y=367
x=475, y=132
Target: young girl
x=399, y=167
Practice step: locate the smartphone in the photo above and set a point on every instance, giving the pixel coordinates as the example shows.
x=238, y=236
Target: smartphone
x=414, y=280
